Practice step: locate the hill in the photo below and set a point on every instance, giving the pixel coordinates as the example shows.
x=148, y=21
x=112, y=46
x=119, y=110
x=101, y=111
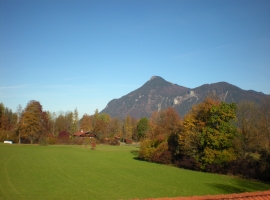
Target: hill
x=157, y=94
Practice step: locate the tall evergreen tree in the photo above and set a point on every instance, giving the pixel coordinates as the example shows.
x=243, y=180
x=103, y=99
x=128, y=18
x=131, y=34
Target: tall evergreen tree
x=142, y=127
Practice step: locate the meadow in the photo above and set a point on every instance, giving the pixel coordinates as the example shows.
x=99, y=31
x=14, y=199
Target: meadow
x=109, y=172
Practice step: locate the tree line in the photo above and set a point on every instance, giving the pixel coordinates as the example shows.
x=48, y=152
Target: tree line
x=214, y=136
x=32, y=124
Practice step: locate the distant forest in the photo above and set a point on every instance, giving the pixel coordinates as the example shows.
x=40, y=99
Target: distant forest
x=214, y=136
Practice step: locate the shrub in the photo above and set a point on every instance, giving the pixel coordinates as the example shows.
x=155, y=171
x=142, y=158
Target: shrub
x=161, y=154
x=250, y=169
x=128, y=141
x=86, y=142
x=114, y=142
x=147, y=149
x=63, y=138
x=93, y=145
x=186, y=162
x=43, y=141
x=77, y=140
x=52, y=139
x=8, y=135
x=105, y=141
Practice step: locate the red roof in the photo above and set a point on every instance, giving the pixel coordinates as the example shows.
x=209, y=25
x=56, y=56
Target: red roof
x=260, y=195
x=79, y=133
x=84, y=134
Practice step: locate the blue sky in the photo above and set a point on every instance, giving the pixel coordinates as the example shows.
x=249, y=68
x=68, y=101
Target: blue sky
x=81, y=54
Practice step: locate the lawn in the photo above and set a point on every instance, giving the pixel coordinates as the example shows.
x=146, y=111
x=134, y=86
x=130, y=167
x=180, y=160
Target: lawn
x=109, y=172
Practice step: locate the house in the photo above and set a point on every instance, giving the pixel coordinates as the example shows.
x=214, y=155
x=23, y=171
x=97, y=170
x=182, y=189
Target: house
x=84, y=134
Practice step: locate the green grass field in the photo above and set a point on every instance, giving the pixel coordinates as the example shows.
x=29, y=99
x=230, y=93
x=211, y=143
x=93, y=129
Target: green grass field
x=109, y=172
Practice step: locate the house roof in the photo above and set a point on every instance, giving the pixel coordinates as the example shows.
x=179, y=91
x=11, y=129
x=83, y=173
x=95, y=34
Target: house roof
x=79, y=133
x=260, y=195
x=84, y=134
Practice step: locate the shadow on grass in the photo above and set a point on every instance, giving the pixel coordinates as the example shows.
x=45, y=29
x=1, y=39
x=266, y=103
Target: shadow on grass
x=240, y=186
x=136, y=154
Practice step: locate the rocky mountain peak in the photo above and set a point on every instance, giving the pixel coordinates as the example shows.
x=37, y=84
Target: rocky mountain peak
x=158, y=94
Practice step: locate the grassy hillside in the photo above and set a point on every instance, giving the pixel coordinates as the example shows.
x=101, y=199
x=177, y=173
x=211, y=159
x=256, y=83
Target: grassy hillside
x=109, y=172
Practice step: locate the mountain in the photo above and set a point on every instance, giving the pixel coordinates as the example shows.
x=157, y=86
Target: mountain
x=157, y=94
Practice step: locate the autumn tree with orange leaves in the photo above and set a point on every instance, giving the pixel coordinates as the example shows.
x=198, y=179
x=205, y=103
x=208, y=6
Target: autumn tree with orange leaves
x=34, y=122
x=8, y=122
x=162, y=125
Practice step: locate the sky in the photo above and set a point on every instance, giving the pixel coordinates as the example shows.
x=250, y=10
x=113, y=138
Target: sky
x=70, y=54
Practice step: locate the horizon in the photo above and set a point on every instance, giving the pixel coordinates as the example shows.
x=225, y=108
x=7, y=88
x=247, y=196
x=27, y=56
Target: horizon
x=82, y=54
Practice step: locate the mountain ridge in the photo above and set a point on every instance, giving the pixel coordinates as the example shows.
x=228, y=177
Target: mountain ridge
x=157, y=94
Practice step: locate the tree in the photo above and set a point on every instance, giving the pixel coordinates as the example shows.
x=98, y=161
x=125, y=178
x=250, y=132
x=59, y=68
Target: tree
x=101, y=122
x=64, y=121
x=33, y=122
x=2, y=113
x=218, y=135
x=127, y=128
x=265, y=120
x=114, y=127
x=86, y=123
x=51, y=122
x=252, y=142
x=8, y=121
x=166, y=122
x=74, y=124
x=19, y=114
x=164, y=126
x=214, y=124
x=142, y=127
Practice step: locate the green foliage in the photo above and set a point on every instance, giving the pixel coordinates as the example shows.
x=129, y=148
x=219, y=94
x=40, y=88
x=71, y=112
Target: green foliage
x=43, y=141
x=213, y=122
x=127, y=127
x=52, y=139
x=75, y=120
x=147, y=148
x=206, y=134
x=213, y=156
x=142, y=127
x=161, y=154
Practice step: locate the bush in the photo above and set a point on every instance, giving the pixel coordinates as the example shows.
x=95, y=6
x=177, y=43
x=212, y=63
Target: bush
x=63, y=138
x=146, y=150
x=93, y=145
x=161, y=154
x=114, y=142
x=77, y=140
x=186, y=162
x=8, y=135
x=128, y=141
x=105, y=141
x=43, y=141
x=86, y=142
x=52, y=140
x=250, y=169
